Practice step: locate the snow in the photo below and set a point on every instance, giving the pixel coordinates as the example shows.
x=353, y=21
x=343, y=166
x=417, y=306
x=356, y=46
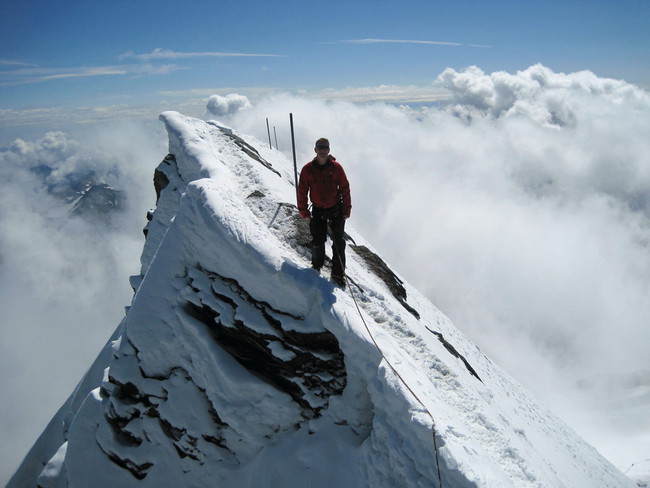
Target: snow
x=169, y=403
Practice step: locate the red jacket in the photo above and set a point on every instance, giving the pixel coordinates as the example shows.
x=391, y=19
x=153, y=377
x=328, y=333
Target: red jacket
x=326, y=184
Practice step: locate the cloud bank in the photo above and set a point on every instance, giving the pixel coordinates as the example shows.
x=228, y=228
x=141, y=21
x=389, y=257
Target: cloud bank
x=63, y=279
x=521, y=208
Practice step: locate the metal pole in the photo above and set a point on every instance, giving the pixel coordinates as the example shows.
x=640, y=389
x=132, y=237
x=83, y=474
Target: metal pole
x=275, y=134
x=293, y=148
x=268, y=131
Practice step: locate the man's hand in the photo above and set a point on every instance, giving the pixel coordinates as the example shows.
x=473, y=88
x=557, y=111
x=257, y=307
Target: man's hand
x=305, y=214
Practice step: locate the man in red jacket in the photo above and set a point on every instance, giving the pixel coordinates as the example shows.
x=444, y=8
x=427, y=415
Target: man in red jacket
x=324, y=180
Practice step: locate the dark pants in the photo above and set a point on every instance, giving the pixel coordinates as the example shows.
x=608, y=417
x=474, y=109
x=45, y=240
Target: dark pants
x=318, y=227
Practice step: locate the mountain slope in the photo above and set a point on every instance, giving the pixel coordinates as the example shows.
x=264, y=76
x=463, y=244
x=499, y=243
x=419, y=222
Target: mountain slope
x=238, y=365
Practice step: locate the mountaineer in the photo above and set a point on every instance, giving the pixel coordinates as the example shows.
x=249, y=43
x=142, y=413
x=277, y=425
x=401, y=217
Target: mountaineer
x=324, y=180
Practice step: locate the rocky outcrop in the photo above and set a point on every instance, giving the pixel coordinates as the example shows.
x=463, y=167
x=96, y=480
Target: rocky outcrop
x=309, y=367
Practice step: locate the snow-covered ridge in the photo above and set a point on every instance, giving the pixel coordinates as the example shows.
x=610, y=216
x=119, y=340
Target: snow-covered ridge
x=238, y=365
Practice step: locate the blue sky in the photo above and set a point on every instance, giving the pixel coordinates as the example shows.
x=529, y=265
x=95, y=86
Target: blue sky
x=68, y=54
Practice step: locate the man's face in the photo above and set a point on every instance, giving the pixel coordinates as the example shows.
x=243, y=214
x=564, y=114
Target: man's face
x=321, y=153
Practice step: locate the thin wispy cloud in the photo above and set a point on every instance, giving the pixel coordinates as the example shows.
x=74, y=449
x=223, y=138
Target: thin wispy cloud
x=203, y=93
x=84, y=73
x=382, y=93
x=12, y=62
x=411, y=41
x=20, y=73
x=24, y=76
x=159, y=53
x=38, y=75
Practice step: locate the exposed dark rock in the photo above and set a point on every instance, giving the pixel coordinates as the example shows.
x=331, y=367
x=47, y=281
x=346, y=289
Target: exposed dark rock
x=139, y=471
x=126, y=403
x=381, y=269
x=118, y=425
x=171, y=431
x=98, y=201
x=128, y=394
x=256, y=194
x=302, y=233
x=455, y=353
x=312, y=368
x=160, y=179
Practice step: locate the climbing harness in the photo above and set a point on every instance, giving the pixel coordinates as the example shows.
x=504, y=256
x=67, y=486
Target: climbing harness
x=356, y=304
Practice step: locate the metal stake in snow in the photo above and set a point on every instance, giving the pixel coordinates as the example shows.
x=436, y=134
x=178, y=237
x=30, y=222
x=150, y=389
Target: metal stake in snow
x=268, y=131
x=293, y=148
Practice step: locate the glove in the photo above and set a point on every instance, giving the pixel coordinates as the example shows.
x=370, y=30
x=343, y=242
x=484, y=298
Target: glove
x=305, y=214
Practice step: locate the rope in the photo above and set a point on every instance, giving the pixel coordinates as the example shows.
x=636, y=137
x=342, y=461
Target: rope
x=634, y=464
x=433, y=421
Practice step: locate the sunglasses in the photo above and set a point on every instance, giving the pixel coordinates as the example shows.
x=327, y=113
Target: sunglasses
x=322, y=147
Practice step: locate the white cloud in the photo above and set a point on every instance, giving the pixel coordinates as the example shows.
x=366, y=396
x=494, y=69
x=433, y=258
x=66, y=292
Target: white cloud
x=159, y=53
x=536, y=93
x=151, y=69
x=400, y=41
x=63, y=281
x=382, y=93
x=228, y=105
x=11, y=62
x=520, y=208
x=71, y=117
x=410, y=41
x=25, y=76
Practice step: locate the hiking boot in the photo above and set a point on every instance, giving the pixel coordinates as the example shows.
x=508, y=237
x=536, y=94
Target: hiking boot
x=339, y=279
